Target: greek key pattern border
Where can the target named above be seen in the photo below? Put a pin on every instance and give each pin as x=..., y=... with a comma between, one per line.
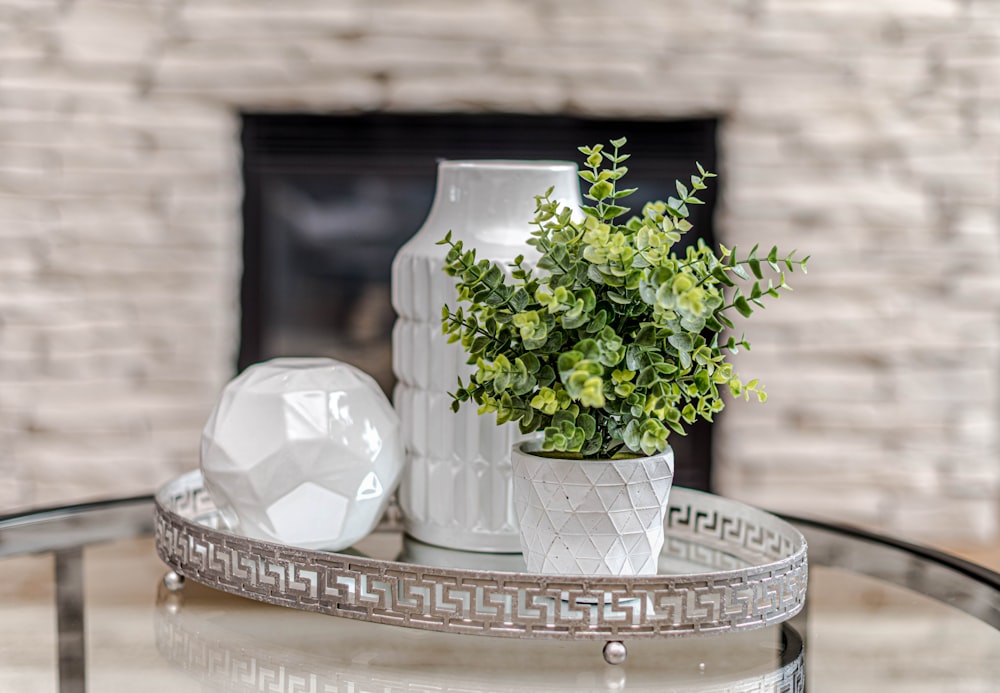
x=771, y=588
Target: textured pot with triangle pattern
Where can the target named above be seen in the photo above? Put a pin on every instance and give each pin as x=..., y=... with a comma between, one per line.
x=590, y=517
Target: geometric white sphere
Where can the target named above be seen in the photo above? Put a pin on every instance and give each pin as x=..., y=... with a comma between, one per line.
x=302, y=451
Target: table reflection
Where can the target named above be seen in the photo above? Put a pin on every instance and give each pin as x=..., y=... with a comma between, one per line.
x=231, y=644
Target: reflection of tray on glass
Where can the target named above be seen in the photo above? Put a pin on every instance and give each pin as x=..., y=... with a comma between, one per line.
x=242, y=649
x=725, y=567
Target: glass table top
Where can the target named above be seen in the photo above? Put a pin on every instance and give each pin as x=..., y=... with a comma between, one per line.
x=83, y=607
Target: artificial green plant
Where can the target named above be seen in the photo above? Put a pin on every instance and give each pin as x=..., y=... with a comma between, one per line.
x=613, y=340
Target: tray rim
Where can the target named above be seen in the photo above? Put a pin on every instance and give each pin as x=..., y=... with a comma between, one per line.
x=789, y=573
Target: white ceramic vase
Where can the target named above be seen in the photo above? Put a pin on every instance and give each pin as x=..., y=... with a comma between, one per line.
x=591, y=517
x=457, y=489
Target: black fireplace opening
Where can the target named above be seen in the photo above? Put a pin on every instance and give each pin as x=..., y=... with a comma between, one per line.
x=329, y=199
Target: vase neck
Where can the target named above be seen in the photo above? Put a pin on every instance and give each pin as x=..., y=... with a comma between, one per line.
x=493, y=201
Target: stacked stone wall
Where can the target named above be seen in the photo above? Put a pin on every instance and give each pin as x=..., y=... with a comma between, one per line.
x=867, y=134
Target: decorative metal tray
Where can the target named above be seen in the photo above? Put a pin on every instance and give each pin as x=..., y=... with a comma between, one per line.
x=725, y=567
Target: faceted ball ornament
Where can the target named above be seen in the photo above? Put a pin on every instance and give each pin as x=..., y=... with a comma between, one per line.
x=304, y=452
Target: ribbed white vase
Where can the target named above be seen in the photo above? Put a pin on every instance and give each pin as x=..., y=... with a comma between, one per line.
x=457, y=487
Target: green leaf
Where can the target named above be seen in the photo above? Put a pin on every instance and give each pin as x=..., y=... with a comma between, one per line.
x=647, y=376
x=740, y=272
x=685, y=358
x=576, y=383
x=597, y=322
x=567, y=363
x=633, y=357
x=676, y=207
x=479, y=345
x=676, y=427
x=531, y=362
x=571, y=322
x=518, y=300
x=693, y=324
x=720, y=275
x=600, y=190
x=680, y=341
x=665, y=368
x=630, y=436
x=740, y=303
x=594, y=274
x=645, y=337
x=588, y=349
x=689, y=413
x=702, y=381
x=772, y=259
x=545, y=376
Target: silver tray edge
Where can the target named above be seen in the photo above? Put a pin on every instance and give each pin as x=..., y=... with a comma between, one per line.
x=504, y=604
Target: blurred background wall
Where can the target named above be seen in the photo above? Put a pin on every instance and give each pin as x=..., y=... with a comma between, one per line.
x=864, y=133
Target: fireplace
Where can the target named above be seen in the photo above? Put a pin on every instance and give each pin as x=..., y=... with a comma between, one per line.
x=330, y=198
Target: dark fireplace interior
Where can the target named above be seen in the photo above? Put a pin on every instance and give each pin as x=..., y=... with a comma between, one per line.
x=329, y=199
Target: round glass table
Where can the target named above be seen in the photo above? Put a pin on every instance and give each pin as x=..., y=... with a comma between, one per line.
x=84, y=607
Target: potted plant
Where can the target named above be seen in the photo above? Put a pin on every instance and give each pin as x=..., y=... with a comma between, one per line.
x=611, y=342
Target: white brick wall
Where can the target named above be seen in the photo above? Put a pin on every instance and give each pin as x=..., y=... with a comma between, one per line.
x=867, y=134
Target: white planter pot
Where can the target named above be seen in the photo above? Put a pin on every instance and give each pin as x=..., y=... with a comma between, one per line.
x=456, y=491
x=591, y=517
